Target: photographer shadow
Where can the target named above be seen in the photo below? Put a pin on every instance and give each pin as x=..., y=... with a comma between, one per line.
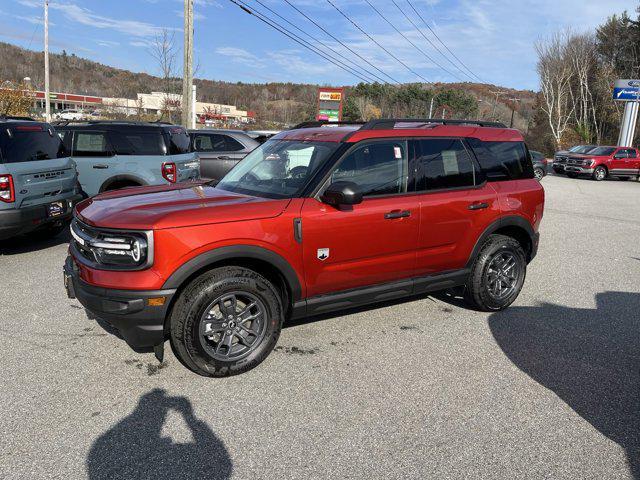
x=588, y=357
x=134, y=448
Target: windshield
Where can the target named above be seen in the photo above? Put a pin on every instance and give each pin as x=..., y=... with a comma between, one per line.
x=26, y=143
x=602, y=151
x=583, y=149
x=278, y=168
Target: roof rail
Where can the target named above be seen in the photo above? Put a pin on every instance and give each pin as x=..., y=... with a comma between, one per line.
x=320, y=123
x=13, y=117
x=389, y=124
x=64, y=123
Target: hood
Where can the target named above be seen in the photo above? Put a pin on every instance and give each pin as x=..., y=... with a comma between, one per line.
x=170, y=206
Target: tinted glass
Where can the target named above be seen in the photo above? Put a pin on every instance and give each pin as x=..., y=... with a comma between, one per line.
x=179, y=141
x=232, y=144
x=632, y=153
x=17, y=144
x=378, y=168
x=278, y=168
x=583, y=149
x=502, y=160
x=536, y=155
x=138, y=142
x=91, y=144
x=443, y=163
x=602, y=151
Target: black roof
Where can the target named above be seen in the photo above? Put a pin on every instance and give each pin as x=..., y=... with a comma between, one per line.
x=391, y=123
x=113, y=125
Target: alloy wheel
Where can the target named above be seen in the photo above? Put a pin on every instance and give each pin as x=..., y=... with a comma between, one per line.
x=502, y=275
x=232, y=326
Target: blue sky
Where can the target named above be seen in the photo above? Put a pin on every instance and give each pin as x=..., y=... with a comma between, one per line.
x=494, y=38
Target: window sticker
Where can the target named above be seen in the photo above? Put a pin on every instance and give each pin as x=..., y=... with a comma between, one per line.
x=397, y=152
x=450, y=162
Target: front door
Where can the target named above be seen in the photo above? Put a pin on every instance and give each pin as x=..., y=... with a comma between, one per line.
x=366, y=244
x=218, y=153
x=95, y=159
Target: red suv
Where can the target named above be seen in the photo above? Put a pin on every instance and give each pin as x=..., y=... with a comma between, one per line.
x=319, y=218
x=602, y=162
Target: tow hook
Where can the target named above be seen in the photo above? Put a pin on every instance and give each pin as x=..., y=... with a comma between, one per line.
x=158, y=350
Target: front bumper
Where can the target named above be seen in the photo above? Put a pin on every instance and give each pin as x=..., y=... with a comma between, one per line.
x=141, y=325
x=27, y=219
x=578, y=170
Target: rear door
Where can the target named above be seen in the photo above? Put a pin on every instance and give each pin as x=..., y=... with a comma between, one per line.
x=456, y=203
x=218, y=153
x=95, y=159
x=370, y=243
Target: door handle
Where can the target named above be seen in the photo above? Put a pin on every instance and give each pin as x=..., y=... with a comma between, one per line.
x=478, y=206
x=224, y=157
x=101, y=167
x=397, y=214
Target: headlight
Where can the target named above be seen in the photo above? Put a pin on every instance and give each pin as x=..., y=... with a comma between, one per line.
x=113, y=250
x=587, y=162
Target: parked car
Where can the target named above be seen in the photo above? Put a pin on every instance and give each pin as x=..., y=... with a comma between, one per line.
x=540, y=164
x=262, y=136
x=602, y=162
x=220, y=150
x=69, y=114
x=376, y=213
x=38, y=180
x=120, y=154
x=560, y=158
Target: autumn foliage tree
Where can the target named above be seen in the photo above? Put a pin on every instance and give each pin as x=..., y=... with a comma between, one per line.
x=15, y=99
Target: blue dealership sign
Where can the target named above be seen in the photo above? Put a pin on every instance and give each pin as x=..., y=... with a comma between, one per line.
x=626, y=90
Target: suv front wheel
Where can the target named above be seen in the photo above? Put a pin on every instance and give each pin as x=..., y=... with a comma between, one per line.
x=226, y=322
x=497, y=274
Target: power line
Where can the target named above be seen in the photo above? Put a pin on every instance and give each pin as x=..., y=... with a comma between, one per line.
x=340, y=42
x=365, y=71
x=378, y=44
x=428, y=57
x=443, y=44
x=263, y=18
x=429, y=40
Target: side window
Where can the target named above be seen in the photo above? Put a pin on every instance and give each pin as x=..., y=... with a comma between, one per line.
x=232, y=145
x=378, y=168
x=502, y=160
x=631, y=153
x=443, y=163
x=91, y=144
x=202, y=142
x=132, y=142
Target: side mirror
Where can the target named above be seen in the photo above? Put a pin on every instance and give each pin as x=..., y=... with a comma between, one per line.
x=342, y=193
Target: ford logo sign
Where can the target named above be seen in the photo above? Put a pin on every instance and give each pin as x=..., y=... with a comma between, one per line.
x=634, y=83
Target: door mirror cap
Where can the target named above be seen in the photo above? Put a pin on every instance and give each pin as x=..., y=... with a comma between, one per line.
x=342, y=193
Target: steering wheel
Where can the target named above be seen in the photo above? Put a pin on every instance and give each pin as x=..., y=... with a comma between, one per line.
x=298, y=172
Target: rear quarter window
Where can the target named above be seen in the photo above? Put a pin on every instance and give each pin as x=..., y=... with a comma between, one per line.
x=503, y=160
x=26, y=143
x=178, y=140
x=132, y=142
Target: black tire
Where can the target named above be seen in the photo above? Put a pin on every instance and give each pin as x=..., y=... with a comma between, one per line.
x=572, y=175
x=600, y=173
x=193, y=314
x=479, y=292
x=624, y=179
x=120, y=185
x=538, y=173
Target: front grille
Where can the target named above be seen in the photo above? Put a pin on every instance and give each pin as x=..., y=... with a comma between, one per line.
x=81, y=235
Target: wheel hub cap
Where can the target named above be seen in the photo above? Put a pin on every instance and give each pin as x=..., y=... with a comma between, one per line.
x=502, y=275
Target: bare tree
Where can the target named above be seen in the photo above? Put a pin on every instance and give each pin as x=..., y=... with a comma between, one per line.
x=555, y=70
x=164, y=51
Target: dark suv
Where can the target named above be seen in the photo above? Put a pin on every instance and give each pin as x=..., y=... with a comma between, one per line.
x=317, y=219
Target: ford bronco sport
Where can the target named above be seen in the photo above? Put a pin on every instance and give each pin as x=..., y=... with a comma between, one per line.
x=117, y=154
x=38, y=180
x=317, y=219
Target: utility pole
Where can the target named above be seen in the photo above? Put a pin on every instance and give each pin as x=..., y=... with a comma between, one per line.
x=431, y=107
x=47, y=106
x=513, y=109
x=495, y=102
x=187, y=74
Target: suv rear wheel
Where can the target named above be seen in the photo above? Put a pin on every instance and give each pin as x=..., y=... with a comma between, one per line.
x=497, y=274
x=226, y=322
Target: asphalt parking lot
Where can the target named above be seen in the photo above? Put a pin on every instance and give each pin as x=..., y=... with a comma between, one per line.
x=422, y=389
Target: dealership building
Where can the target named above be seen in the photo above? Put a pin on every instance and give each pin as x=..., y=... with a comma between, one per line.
x=153, y=103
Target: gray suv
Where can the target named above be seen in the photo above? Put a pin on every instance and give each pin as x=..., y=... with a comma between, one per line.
x=116, y=154
x=220, y=150
x=38, y=180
